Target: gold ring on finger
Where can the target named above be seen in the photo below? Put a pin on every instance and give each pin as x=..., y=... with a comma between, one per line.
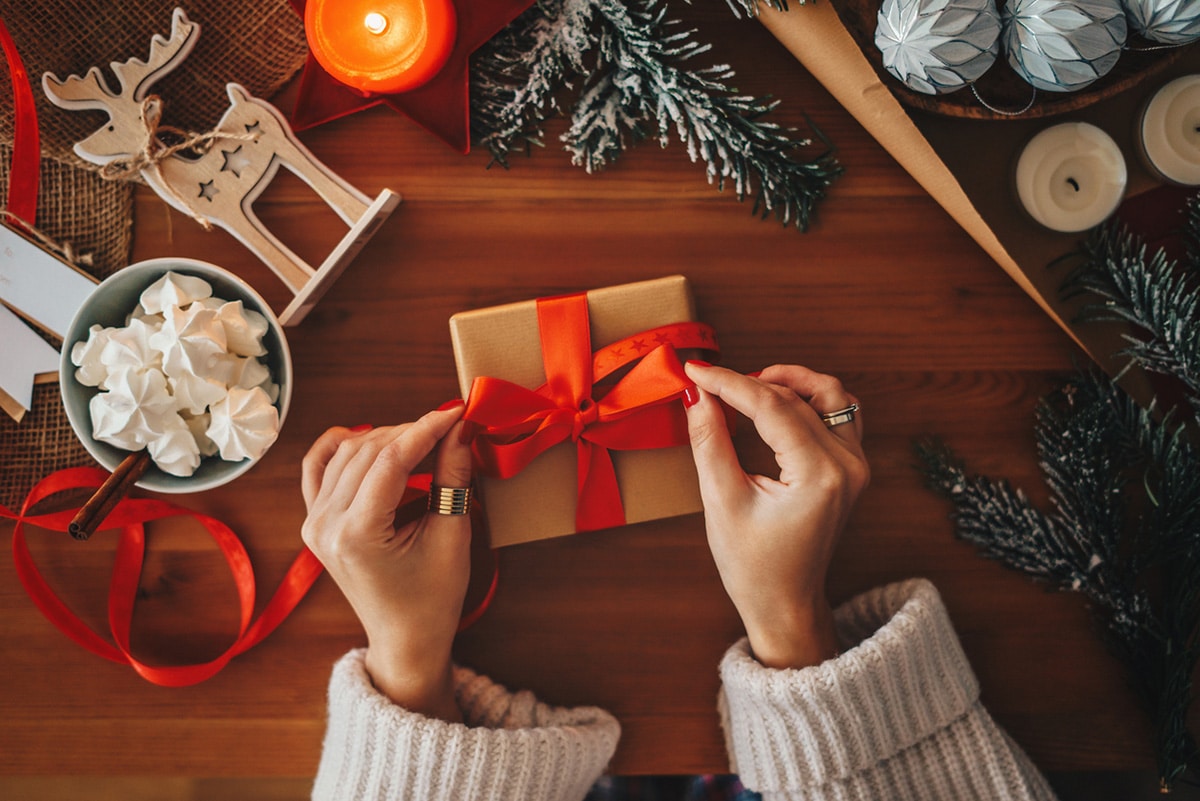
x=449, y=500
x=841, y=416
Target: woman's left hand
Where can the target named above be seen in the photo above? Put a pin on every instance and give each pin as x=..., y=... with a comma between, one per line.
x=406, y=584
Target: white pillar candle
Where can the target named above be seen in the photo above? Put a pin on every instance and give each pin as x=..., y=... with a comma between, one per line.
x=1170, y=131
x=1071, y=177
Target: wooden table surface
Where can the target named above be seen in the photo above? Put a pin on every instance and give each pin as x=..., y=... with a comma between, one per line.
x=885, y=292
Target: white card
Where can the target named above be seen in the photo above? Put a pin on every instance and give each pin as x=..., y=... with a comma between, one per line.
x=23, y=355
x=39, y=286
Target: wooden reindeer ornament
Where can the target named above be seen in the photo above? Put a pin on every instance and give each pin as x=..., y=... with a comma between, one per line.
x=215, y=177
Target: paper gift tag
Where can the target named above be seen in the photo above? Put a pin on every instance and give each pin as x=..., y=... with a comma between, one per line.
x=46, y=291
x=39, y=286
x=25, y=356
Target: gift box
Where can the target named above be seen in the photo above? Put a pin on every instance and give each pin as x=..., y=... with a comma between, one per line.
x=574, y=406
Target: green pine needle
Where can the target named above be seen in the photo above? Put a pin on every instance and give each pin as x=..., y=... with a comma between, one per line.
x=1124, y=483
x=1125, y=490
x=1157, y=296
x=751, y=7
x=630, y=66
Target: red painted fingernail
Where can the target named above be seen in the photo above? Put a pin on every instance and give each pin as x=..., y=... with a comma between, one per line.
x=690, y=397
x=361, y=428
x=755, y=374
x=453, y=404
x=699, y=362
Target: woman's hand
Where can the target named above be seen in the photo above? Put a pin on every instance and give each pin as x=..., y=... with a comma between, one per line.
x=772, y=539
x=406, y=584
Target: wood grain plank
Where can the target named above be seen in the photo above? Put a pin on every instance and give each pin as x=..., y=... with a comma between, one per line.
x=884, y=291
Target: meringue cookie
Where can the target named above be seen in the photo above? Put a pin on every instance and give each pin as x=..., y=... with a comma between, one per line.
x=182, y=378
x=194, y=394
x=246, y=372
x=174, y=289
x=244, y=329
x=135, y=410
x=244, y=424
x=198, y=425
x=242, y=371
x=272, y=390
x=85, y=354
x=155, y=321
x=129, y=348
x=191, y=341
x=175, y=450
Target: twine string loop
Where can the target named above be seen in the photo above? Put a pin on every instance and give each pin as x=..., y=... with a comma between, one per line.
x=154, y=150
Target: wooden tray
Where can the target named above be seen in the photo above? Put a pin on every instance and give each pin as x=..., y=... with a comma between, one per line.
x=1001, y=87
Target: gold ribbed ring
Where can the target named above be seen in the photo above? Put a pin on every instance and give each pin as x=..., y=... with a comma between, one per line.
x=450, y=500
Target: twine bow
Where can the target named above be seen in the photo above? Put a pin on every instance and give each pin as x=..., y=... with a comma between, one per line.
x=515, y=424
x=153, y=150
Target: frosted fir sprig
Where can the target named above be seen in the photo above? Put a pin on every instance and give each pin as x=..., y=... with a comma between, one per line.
x=1072, y=548
x=1156, y=295
x=751, y=7
x=628, y=61
x=519, y=74
x=1125, y=489
x=640, y=80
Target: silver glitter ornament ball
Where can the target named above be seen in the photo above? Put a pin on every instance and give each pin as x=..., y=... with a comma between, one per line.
x=1063, y=45
x=937, y=46
x=1175, y=22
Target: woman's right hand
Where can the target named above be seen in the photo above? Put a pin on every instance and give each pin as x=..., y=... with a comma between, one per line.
x=772, y=539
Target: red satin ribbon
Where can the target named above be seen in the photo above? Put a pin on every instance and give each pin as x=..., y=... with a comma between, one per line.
x=26, y=155
x=514, y=424
x=130, y=516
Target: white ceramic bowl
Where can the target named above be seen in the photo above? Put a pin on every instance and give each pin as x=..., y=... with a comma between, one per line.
x=108, y=305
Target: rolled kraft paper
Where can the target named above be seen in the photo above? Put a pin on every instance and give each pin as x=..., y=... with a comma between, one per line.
x=1071, y=177
x=1169, y=132
x=816, y=36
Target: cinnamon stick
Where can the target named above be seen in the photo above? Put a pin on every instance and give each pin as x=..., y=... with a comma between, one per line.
x=114, y=488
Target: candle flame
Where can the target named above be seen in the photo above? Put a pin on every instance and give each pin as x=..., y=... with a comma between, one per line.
x=375, y=22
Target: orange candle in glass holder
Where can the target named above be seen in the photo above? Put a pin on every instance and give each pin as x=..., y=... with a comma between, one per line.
x=381, y=46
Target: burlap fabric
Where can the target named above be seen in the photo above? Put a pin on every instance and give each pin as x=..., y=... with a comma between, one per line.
x=258, y=44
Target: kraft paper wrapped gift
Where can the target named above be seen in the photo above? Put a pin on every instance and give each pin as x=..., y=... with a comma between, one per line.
x=503, y=342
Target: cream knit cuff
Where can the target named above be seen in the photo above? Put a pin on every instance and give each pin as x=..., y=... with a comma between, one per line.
x=512, y=746
x=905, y=678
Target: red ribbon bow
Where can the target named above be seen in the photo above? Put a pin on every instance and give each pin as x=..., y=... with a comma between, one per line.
x=516, y=424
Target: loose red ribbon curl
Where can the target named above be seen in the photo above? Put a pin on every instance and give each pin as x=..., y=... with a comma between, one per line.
x=130, y=516
x=513, y=424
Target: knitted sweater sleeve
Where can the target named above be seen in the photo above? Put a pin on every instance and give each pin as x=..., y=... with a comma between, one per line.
x=897, y=716
x=511, y=745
